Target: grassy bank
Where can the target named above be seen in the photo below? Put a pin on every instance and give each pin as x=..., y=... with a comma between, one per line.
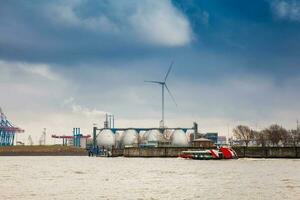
x=45, y=150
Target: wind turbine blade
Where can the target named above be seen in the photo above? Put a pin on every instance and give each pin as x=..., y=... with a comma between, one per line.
x=153, y=82
x=169, y=71
x=171, y=95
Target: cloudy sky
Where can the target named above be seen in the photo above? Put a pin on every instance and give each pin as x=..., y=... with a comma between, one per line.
x=65, y=64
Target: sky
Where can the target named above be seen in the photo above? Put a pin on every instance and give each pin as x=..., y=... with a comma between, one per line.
x=64, y=64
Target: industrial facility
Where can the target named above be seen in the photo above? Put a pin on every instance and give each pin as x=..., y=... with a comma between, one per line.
x=7, y=131
x=111, y=138
x=148, y=137
x=76, y=140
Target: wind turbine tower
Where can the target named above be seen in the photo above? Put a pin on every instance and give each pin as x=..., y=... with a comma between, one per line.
x=163, y=86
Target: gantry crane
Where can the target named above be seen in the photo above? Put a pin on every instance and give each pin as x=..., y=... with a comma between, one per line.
x=7, y=131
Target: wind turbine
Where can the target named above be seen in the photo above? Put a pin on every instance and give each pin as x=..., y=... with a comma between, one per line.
x=163, y=86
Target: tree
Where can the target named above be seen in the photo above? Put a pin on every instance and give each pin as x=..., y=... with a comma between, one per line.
x=275, y=134
x=284, y=136
x=244, y=134
x=295, y=136
x=260, y=138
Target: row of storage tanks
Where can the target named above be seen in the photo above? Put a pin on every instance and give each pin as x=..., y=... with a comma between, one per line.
x=129, y=137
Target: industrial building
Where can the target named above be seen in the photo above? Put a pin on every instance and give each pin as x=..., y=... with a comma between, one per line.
x=212, y=136
x=76, y=140
x=114, y=139
x=203, y=143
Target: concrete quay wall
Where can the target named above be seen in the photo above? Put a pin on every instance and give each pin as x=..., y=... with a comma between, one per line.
x=268, y=152
x=44, y=150
x=156, y=152
x=243, y=152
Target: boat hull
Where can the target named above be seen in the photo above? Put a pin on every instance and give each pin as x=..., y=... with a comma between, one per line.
x=210, y=154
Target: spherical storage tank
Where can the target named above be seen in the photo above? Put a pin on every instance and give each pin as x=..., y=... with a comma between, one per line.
x=142, y=134
x=154, y=135
x=143, y=137
x=106, y=138
x=179, y=138
x=130, y=137
x=119, y=136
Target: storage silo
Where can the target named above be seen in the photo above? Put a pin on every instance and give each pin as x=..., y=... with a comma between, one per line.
x=179, y=138
x=118, y=138
x=154, y=136
x=142, y=136
x=130, y=137
x=106, y=138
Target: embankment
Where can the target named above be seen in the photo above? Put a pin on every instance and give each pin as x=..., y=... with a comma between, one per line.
x=156, y=152
x=243, y=152
x=48, y=150
x=56, y=150
x=268, y=152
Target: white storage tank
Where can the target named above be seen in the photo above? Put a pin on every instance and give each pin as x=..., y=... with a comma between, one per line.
x=130, y=137
x=118, y=138
x=168, y=134
x=106, y=138
x=154, y=135
x=143, y=137
x=179, y=138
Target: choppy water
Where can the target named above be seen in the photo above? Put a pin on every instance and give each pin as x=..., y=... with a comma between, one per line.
x=155, y=178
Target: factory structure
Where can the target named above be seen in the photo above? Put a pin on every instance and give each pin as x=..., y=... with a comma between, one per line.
x=110, y=137
x=76, y=140
x=7, y=131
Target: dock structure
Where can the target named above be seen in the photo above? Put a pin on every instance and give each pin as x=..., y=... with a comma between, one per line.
x=7, y=131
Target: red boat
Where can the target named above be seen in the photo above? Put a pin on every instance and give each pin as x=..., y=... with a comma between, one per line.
x=210, y=154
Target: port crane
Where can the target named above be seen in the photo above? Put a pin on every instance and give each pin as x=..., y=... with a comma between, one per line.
x=7, y=131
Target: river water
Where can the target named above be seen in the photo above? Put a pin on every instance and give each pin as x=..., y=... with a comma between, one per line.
x=153, y=178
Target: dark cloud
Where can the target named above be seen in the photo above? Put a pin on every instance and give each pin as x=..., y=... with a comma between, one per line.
x=76, y=32
x=80, y=30
x=231, y=64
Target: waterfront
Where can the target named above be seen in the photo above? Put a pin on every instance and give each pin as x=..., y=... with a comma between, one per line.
x=152, y=178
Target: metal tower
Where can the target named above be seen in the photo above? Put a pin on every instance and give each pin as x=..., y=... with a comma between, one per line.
x=7, y=131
